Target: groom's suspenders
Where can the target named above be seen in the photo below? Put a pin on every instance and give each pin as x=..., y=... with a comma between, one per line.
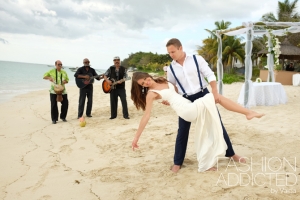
x=184, y=93
x=197, y=66
x=195, y=59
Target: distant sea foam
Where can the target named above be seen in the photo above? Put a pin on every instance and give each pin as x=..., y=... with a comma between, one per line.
x=20, y=78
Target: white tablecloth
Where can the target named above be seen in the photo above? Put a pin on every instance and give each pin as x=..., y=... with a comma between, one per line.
x=296, y=79
x=264, y=94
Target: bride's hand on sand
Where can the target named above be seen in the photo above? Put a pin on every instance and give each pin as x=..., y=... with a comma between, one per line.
x=165, y=102
x=134, y=144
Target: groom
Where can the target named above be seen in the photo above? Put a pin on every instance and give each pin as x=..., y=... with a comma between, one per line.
x=191, y=84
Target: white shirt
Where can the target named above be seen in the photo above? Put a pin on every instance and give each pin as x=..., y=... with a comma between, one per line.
x=187, y=74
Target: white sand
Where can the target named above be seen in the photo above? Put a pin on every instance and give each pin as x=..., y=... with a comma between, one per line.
x=64, y=161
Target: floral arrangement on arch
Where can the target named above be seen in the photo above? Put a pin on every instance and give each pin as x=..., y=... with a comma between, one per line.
x=275, y=50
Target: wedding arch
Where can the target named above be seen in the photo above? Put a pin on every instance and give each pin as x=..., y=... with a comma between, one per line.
x=248, y=29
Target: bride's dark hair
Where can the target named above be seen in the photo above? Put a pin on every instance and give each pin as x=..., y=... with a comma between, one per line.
x=138, y=93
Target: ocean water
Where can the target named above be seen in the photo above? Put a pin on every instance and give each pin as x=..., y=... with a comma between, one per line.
x=20, y=78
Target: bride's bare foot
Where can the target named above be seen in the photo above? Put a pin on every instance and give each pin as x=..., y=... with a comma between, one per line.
x=212, y=169
x=253, y=114
x=238, y=158
x=175, y=168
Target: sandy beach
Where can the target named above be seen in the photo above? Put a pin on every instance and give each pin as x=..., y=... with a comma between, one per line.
x=42, y=161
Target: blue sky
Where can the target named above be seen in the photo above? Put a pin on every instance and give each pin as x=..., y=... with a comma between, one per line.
x=40, y=31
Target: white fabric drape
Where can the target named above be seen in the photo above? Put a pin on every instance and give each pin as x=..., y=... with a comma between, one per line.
x=248, y=64
x=296, y=80
x=219, y=64
x=270, y=60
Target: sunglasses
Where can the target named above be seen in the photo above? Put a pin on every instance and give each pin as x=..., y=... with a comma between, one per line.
x=59, y=64
x=86, y=62
x=117, y=60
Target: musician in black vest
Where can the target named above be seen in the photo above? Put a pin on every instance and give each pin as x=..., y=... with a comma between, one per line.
x=85, y=72
x=117, y=73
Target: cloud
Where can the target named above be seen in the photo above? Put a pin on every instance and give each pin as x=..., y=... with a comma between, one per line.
x=78, y=18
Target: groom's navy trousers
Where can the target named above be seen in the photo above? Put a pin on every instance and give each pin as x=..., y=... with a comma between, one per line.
x=183, y=134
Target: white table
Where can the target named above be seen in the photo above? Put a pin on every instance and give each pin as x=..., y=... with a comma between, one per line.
x=296, y=79
x=264, y=94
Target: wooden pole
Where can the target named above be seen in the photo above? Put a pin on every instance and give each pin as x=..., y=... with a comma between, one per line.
x=232, y=29
x=255, y=24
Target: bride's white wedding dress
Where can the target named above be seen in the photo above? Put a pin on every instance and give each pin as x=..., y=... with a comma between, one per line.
x=209, y=140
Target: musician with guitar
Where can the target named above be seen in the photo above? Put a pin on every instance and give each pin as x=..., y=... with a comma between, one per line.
x=84, y=79
x=116, y=76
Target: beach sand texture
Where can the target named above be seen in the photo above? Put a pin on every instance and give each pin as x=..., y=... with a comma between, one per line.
x=65, y=161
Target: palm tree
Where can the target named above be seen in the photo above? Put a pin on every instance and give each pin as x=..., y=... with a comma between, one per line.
x=231, y=47
x=222, y=25
x=259, y=43
x=233, y=50
x=286, y=12
x=209, y=50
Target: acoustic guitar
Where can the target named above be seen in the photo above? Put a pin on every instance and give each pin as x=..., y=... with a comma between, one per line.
x=107, y=88
x=81, y=82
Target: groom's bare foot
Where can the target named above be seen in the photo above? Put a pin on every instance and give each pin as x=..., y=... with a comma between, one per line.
x=175, y=168
x=238, y=158
x=253, y=114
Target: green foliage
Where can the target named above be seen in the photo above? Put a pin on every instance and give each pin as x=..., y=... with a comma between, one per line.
x=147, y=61
x=255, y=72
x=231, y=78
x=259, y=43
x=263, y=62
x=159, y=72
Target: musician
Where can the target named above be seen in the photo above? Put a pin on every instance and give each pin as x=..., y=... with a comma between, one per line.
x=117, y=73
x=87, y=92
x=58, y=76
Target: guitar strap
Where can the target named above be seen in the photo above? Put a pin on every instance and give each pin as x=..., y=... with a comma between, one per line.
x=60, y=77
x=117, y=75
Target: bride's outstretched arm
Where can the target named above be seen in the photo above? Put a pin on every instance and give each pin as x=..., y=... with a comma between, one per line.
x=146, y=116
x=235, y=107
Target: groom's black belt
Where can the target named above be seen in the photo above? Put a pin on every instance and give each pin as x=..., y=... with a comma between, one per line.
x=192, y=95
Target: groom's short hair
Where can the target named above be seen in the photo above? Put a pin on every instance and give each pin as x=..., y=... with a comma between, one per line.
x=175, y=42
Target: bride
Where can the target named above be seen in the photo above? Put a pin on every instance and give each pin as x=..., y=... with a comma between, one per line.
x=209, y=140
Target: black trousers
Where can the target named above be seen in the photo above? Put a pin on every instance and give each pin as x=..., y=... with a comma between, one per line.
x=114, y=94
x=85, y=93
x=183, y=134
x=54, y=108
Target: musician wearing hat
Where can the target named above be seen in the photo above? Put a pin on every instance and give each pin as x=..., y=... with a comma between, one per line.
x=116, y=75
x=58, y=78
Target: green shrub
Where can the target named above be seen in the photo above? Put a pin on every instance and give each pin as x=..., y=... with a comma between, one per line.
x=231, y=78
x=255, y=72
